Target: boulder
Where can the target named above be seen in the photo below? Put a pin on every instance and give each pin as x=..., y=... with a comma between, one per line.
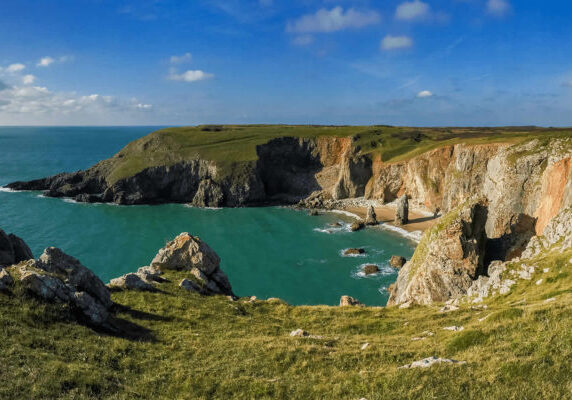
x=370, y=269
x=397, y=261
x=189, y=253
x=430, y=361
x=448, y=259
x=13, y=249
x=313, y=212
x=185, y=252
x=349, y=301
x=371, y=218
x=357, y=225
x=74, y=274
x=354, y=252
x=402, y=211
x=57, y=277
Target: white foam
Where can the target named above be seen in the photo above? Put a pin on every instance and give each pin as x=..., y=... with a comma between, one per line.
x=415, y=235
x=69, y=200
x=7, y=190
x=202, y=208
x=343, y=212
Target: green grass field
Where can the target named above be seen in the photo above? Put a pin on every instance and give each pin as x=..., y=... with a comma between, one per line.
x=191, y=347
x=237, y=143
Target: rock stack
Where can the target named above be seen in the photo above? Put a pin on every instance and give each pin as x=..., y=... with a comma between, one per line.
x=371, y=218
x=402, y=212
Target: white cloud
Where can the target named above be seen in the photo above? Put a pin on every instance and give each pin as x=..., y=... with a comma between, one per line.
x=180, y=59
x=412, y=10
x=38, y=101
x=332, y=20
x=28, y=79
x=390, y=42
x=15, y=67
x=498, y=8
x=190, y=76
x=424, y=94
x=45, y=62
x=303, y=40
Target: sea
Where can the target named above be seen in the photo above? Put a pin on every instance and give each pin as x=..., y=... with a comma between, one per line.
x=265, y=251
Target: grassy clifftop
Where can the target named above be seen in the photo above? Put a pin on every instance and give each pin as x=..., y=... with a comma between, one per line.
x=187, y=346
x=237, y=143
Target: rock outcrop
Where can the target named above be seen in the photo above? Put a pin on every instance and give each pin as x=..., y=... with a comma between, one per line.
x=189, y=253
x=402, y=211
x=349, y=301
x=58, y=277
x=13, y=249
x=448, y=259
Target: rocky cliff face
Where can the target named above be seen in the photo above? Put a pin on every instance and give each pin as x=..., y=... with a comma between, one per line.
x=532, y=178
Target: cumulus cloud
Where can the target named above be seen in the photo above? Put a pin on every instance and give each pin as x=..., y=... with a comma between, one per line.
x=498, y=8
x=28, y=79
x=37, y=101
x=45, y=62
x=333, y=20
x=3, y=85
x=190, y=76
x=15, y=67
x=424, y=94
x=412, y=10
x=390, y=42
x=180, y=59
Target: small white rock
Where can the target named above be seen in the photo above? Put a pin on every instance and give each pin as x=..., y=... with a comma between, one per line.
x=364, y=346
x=454, y=328
x=427, y=362
x=550, y=300
x=538, y=282
x=545, y=270
x=299, y=333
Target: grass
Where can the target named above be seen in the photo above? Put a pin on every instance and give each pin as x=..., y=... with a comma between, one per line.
x=209, y=347
x=229, y=145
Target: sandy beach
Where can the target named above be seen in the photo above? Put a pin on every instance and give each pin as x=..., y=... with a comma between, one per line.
x=418, y=221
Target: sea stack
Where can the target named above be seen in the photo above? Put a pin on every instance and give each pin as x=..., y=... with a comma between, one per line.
x=402, y=212
x=371, y=218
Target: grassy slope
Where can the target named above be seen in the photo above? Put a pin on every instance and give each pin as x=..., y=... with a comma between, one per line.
x=237, y=143
x=212, y=348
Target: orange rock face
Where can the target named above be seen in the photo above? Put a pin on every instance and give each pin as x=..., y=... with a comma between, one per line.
x=555, y=179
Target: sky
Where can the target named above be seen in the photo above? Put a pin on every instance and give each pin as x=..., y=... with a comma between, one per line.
x=167, y=62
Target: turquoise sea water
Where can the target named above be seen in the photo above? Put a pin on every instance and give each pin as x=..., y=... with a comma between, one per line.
x=266, y=252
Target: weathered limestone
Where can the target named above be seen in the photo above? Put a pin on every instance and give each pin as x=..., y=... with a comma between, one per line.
x=357, y=226
x=132, y=281
x=402, y=211
x=430, y=361
x=5, y=279
x=371, y=218
x=58, y=277
x=189, y=253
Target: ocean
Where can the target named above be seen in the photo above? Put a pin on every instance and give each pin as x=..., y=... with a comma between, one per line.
x=266, y=251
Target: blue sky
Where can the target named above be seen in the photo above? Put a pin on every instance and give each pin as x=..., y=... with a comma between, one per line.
x=166, y=62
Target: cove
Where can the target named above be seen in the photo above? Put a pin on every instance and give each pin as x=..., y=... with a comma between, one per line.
x=266, y=252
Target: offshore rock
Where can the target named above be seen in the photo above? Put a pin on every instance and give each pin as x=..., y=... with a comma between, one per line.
x=397, y=261
x=402, y=211
x=447, y=260
x=356, y=226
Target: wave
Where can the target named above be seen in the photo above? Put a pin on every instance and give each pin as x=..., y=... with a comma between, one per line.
x=8, y=190
x=346, y=213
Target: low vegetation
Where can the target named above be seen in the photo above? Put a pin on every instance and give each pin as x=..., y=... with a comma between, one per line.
x=181, y=345
x=228, y=144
